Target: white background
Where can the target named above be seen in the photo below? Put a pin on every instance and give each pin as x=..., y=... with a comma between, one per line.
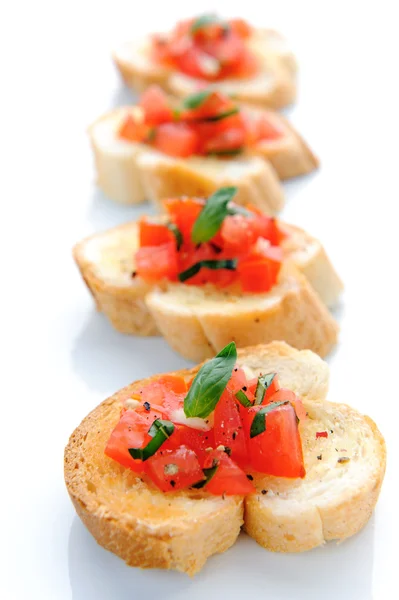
x=60, y=358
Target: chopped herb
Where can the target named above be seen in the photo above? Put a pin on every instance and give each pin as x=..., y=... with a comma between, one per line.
x=210, y=382
x=264, y=382
x=177, y=233
x=243, y=398
x=195, y=100
x=230, y=152
x=229, y=263
x=222, y=115
x=147, y=406
x=343, y=459
x=259, y=423
x=208, y=474
x=205, y=21
x=160, y=431
x=212, y=215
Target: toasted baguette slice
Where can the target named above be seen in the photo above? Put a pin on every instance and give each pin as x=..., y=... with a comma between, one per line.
x=291, y=310
x=180, y=530
x=132, y=172
x=273, y=87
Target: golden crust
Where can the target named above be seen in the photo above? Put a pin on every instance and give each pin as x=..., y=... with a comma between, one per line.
x=149, y=529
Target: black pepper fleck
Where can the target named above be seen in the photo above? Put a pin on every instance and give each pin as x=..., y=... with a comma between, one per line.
x=234, y=435
x=320, y=457
x=172, y=483
x=134, y=273
x=343, y=460
x=147, y=406
x=227, y=450
x=250, y=477
x=244, y=388
x=264, y=492
x=257, y=320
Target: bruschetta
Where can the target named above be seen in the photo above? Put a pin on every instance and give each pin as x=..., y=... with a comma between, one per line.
x=165, y=472
x=161, y=148
x=254, y=65
x=212, y=271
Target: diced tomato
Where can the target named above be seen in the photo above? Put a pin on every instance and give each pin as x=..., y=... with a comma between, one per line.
x=130, y=432
x=175, y=383
x=267, y=129
x=176, y=139
x=278, y=450
x=153, y=234
x=228, y=428
x=174, y=469
x=237, y=381
x=157, y=262
x=215, y=104
x=227, y=140
x=133, y=130
x=271, y=391
x=238, y=233
x=228, y=479
x=197, y=440
x=240, y=27
x=283, y=394
x=184, y=212
x=246, y=66
x=259, y=270
x=155, y=104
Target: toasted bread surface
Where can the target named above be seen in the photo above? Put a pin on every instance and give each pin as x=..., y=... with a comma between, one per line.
x=180, y=530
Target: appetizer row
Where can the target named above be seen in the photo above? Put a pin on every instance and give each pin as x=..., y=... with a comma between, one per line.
x=167, y=471
x=208, y=272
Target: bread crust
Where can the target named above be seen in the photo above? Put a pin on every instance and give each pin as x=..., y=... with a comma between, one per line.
x=134, y=308
x=133, y=61
x=149, y=529
x=199, y=329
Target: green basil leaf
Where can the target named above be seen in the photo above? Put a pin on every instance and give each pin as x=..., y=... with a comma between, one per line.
x=208, y=474
x=195, y=100
x=239, y=210
x=259, y=423
x=230, y=152
x=177, y=233
x=212, y=215
x=204, y=21
x=228, y=263
x=243, y=398
x=210, y=383
x=160, y=431
x=222, y=115
x=264, y=381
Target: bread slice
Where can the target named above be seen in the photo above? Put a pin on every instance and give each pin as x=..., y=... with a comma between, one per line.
x=130, y=172
x=195, y=321
x=273, y=87
x=180, y=530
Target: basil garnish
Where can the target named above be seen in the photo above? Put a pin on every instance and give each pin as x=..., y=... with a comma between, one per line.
x=264, y=381
x=259, y=423
x=208, y=474
x=210, y=383
x=230, y=152
x=177, y=233
x=160, y=431
x=195, y=100
x=243, y=398
x=222, y=115
x=229, y=264
x=212, y=215
x=204, y=21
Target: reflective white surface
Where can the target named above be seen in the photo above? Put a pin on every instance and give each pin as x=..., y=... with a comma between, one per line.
x=60, y=358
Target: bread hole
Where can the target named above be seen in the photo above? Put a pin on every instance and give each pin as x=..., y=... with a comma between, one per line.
x=91, y=487
x=82, y=459
x=85, y=436
x=76, y=466
x=289, y=537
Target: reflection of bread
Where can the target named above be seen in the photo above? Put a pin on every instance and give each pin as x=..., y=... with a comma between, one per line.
x=196, y=321
x=273, y=87
x=180, y=530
